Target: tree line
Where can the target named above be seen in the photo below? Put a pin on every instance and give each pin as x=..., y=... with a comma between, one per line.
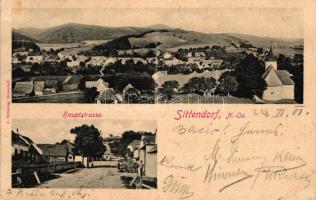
x=89, y=142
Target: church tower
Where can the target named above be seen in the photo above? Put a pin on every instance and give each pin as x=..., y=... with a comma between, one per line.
x=270, y=59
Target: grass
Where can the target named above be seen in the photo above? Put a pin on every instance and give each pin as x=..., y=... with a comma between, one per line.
x=57, y=46
x=71, y=48
x=187, y=45
x=77, y=50
x=287, y=51
x=163, y=38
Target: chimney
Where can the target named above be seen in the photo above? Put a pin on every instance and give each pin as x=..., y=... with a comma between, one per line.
x=17, y=130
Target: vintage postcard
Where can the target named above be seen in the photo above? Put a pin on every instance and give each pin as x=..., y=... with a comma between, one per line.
x=156, y=100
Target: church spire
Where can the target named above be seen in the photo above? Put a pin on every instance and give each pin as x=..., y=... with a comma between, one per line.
x=270, y=59
x=270, y=55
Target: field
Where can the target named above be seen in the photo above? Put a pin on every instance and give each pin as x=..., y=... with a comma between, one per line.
x=186, y=46
x=72, y=48
x=95, y=42
x=163, y=38
x=287, y=51
x=77, y=50
x=84, y=46
x=47, y=47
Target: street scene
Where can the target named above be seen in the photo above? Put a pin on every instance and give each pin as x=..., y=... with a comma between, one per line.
x=161, y=61
x=106, y=175
x=86, y=157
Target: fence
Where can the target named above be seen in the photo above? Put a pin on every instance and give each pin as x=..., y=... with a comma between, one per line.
x=26, y=174
x=49, y=168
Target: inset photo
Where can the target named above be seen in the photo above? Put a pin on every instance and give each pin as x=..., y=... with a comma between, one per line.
x=56, y=153
x=192, y=56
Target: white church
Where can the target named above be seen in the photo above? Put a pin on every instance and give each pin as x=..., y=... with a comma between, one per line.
x=280, y=86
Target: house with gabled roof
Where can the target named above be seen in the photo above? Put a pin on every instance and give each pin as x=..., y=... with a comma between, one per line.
x=133, y=147
x=99, y=84
x=24, y=150
x=106, y=94
x=112, y=141
x=70, y=150
x=280, y=86
x=56, y=153
x=129, y=91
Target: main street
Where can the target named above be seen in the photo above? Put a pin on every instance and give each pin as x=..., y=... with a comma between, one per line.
x=104, y=174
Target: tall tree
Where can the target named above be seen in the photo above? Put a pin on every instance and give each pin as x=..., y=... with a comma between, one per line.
x=36, y=68
x=228, y=84
x=249, y=77
x=294, y=66
x=203, y=84
x=169, y=87
x=88, y=141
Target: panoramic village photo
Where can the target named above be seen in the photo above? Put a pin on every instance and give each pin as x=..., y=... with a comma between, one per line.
x=84, y=154
x=150, y=56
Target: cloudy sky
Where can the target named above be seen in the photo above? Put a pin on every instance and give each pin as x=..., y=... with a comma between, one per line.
x=52, y=131
x=273, y=22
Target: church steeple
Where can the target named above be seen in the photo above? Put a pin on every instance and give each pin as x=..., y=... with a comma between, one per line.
x=270, y=59
x=270, y=56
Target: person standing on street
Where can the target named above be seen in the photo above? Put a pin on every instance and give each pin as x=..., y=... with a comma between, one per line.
x=140, y=172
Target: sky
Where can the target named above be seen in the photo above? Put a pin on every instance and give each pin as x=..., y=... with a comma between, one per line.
x=271, y=22
x=51, y=131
